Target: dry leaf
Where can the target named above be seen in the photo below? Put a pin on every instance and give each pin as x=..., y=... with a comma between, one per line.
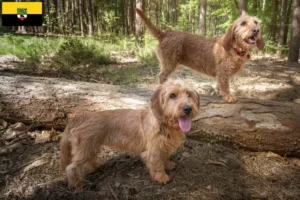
x=18, y=127
x=186, y=154
x=45, y=136
x=275, y=157
x=3, y=123
x=223, y=160
x=14, y=131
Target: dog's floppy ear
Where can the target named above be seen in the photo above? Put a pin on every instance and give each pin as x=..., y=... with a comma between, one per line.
x=196, y=96
x=228, y=38
x=156, y=104
x=260, y=43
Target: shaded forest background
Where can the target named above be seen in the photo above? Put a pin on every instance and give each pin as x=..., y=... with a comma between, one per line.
x=116, y=20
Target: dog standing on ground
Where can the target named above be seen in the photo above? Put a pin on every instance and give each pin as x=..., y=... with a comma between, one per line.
x=219, y=57
x=154, y=134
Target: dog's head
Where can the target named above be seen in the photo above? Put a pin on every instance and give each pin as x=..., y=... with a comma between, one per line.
x=245, y=33
x=175, y=104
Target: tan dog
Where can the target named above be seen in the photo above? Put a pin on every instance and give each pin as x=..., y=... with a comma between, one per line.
x=219, y=57
x=153, y=134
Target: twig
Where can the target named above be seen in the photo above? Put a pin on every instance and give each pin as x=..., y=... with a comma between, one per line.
x=26, y=164
x=216, y=163
x=194, y=131
x=113, y=192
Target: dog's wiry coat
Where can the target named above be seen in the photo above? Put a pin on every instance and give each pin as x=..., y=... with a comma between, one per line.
x=219, y=57
x=154, y=133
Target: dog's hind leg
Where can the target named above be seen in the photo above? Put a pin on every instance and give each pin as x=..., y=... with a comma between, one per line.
x=166, y=69
x=83, y=156
x=167, y=66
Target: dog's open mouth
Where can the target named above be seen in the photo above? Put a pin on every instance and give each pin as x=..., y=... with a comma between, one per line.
x=251, y=40
x=185, y=123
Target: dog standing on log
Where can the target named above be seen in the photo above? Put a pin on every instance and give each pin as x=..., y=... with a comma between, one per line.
x=154, y=134
x=219, y=57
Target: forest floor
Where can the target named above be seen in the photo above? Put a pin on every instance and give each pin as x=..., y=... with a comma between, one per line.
x=30, y=169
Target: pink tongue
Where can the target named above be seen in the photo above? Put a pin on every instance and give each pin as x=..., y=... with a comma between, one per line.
x=252, y=40
x=185, y=124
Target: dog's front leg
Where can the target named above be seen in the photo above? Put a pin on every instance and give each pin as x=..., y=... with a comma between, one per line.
x=223, y=86
x=169, y=165
x=155, y=163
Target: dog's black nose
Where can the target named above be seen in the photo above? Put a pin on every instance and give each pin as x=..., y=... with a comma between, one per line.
x=255, y=30
x=187, y=109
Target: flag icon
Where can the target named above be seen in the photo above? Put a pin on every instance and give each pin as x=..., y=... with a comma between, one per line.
x=22, y=13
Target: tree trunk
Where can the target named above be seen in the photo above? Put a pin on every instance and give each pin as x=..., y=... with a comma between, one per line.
x=282, y=28
x=55, y=22
x=80, y=16
x=49, y=17
x=73, y=15
x=162, y=6
x=116, y=23
x=123, y=18
x=236, y=4
x=273, y=26
x=139, y=29
x=168, y=12
x=295, y=34
x=174, y=12
x=202, y=27
x=255, y=7
x=156, y=12
x=132, y=16
x=63, y=16
x=287, y=21
x=252, y=124
x=243, y=6
x=90, y=18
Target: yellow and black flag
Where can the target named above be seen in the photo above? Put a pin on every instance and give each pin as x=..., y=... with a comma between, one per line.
x=22, y=14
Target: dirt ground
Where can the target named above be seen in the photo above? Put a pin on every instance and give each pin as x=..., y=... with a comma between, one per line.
x=30, y=170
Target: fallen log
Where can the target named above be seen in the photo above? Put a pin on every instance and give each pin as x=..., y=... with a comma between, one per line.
x=252, y=124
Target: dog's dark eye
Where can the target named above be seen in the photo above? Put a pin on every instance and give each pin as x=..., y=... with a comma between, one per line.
x=243, y=23
x=255, y=22
x=188, y=94
x=172, y=96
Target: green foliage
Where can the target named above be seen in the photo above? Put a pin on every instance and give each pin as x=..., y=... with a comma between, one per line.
x=28, y=48
x=123, y=76
x=78, y=52
x=147, y=57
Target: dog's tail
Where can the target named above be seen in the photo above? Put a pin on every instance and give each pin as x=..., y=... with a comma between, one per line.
x=65, y=150
x=152, y=28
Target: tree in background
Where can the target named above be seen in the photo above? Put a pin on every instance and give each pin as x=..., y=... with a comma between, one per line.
x=202, y=28
x=243, y=6
x=282, y=28
x=139, y=27
x=295, y=34
x=90, y=18
x=107, y=18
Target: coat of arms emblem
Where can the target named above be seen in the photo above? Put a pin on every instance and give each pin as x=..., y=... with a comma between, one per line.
x=22, y=13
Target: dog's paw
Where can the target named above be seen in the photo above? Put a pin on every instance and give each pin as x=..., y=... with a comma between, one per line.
x=161, y=177
x=230, y=98
x=170, y=165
